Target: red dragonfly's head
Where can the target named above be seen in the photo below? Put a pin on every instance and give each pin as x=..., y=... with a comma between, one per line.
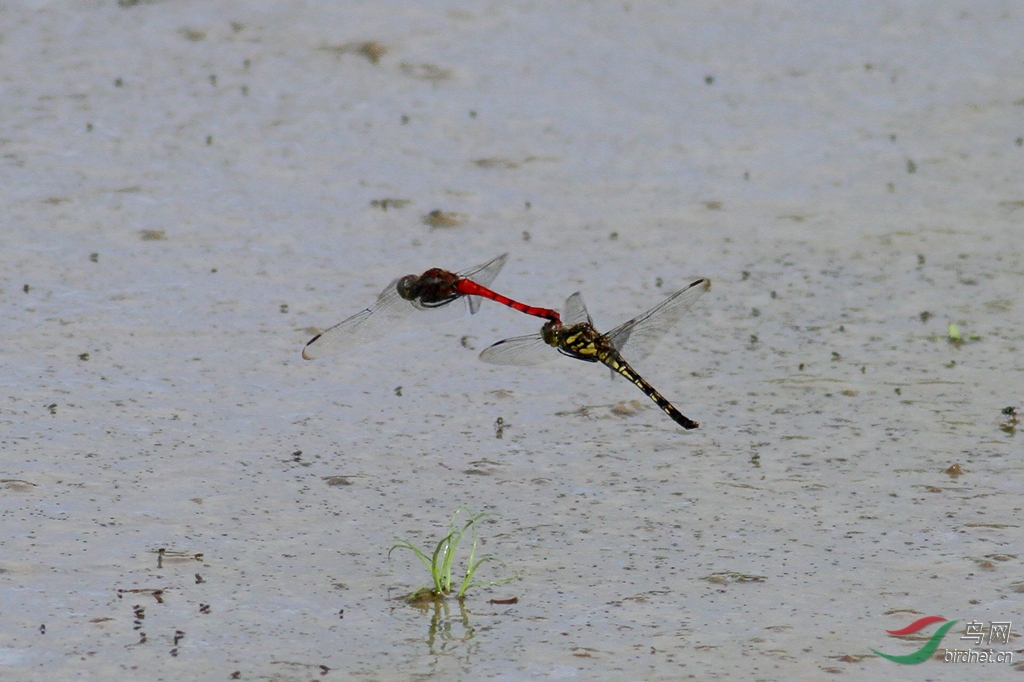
x=432, y=289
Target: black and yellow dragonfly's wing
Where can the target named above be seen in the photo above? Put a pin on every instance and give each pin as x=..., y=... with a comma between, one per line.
x=636, y=338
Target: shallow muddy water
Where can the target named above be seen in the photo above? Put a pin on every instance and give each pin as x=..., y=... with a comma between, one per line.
x=194, y=191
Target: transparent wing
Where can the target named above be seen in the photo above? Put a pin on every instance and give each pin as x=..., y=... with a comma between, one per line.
x=365, y=326
x=575, y=311
x=638, y=337
x=522, y=351
x=483, y=275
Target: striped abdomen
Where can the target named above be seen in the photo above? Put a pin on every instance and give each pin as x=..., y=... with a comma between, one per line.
x=612, y=359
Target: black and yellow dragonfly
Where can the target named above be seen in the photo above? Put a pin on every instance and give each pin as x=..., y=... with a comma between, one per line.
x=575, y=336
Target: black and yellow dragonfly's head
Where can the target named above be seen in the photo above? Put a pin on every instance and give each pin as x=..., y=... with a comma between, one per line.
x=580, y=341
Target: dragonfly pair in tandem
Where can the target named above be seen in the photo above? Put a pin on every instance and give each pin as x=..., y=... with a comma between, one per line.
x=572, y=333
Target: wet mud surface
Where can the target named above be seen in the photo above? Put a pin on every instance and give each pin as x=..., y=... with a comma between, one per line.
x=192, y=192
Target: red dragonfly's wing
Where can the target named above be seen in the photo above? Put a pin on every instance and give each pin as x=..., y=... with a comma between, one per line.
x=365, y=326
x=483, y=275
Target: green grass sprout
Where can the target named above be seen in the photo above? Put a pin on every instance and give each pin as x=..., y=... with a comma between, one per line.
x=440, y=562
x=955, y=337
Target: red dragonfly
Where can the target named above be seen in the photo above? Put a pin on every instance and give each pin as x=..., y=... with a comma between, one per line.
x=577, y=338
x=435, y=288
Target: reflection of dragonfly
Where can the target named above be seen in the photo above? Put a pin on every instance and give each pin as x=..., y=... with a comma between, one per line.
x=163, y=554
x=435, y=288
x=577, y=338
